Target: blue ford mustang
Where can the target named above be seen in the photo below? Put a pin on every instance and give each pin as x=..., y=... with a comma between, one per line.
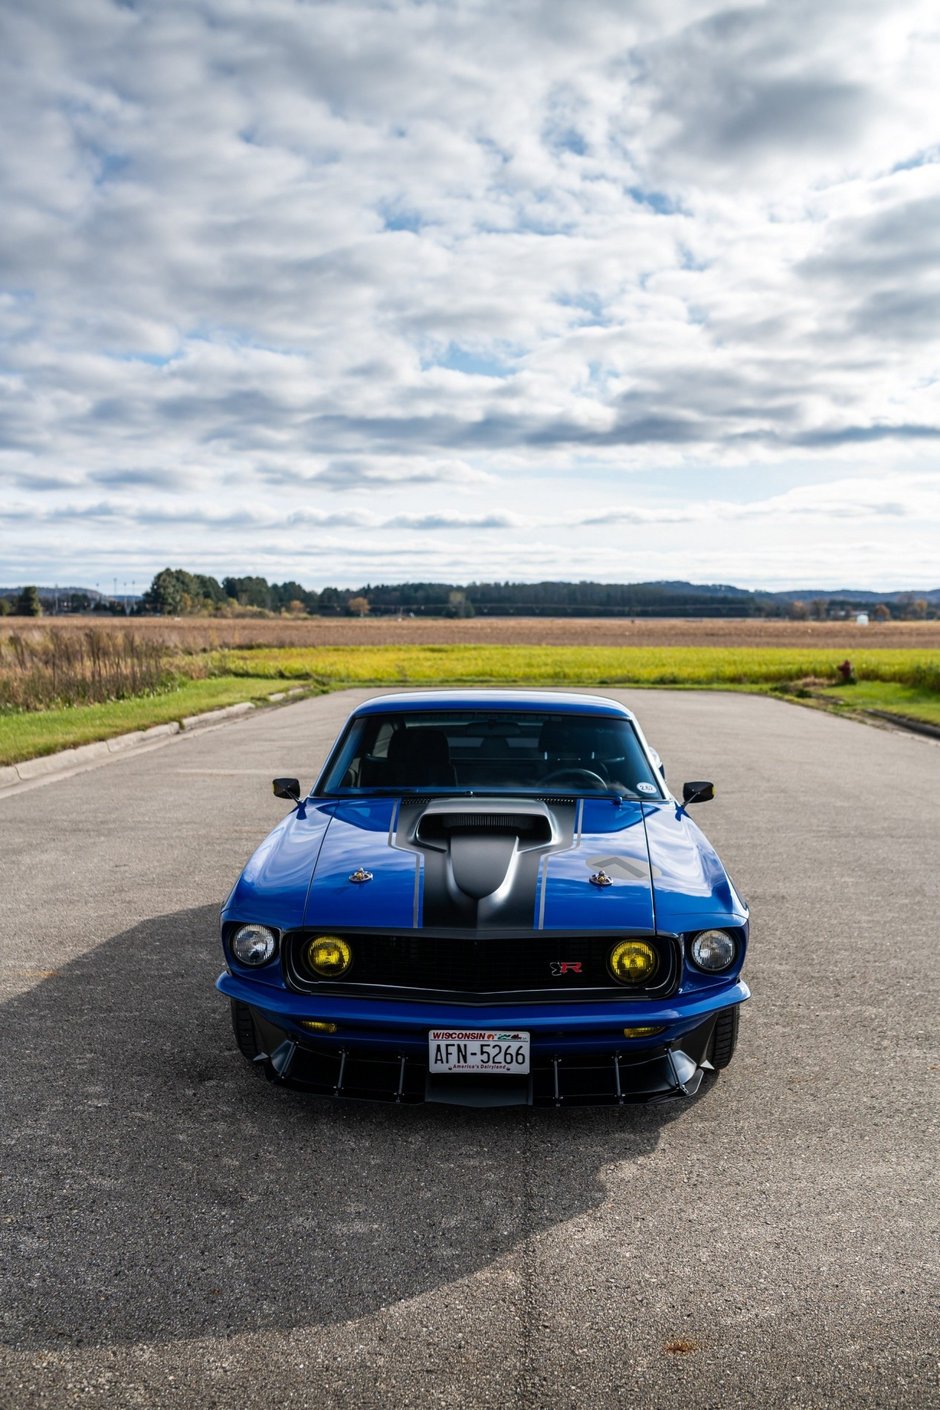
x=489, y=898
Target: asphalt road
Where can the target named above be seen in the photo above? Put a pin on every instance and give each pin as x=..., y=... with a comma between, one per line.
x=176, y=1233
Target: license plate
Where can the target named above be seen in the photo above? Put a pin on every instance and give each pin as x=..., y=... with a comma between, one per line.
x=478, y=1050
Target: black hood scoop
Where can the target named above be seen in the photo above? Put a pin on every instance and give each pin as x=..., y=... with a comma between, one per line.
x=482, y=856
x=526, y=819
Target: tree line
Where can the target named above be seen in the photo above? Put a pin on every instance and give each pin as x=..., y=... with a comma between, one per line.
x=175, y=592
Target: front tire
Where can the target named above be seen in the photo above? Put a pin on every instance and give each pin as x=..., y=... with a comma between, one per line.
x=243, y=1026
x=725, y=1038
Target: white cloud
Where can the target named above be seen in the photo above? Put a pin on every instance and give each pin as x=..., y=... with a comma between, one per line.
x=489, y=269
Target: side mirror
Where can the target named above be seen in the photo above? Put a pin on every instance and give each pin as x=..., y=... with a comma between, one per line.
x=697, y=792
x=287, y=788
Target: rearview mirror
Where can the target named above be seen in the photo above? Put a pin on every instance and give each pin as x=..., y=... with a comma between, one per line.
x=287, y=788
x=697, y=792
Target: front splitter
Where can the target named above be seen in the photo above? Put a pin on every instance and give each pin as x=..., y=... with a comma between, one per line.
x=581, y=1079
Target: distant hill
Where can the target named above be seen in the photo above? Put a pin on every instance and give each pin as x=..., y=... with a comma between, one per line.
x=50, y=593
x=854, y=595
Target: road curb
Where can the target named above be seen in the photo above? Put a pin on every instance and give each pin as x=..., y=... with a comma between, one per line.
x=66, y=759
x=906, y=722
x=141, y=736
x=212, y=717
x=46, y=765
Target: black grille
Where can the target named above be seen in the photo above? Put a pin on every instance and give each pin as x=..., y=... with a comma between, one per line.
x=559, y=966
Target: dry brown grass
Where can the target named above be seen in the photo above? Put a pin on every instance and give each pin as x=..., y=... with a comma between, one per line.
x=42, y=668
x=194, y=634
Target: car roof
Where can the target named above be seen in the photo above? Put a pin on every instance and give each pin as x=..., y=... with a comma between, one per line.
x=551, y=701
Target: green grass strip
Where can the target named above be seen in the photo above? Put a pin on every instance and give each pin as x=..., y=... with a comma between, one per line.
x=884, y=695
x=35, y=732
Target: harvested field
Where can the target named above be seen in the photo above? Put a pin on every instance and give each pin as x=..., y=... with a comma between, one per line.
x=195, y=634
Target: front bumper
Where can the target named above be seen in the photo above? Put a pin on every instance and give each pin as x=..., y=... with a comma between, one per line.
x=579, y=1054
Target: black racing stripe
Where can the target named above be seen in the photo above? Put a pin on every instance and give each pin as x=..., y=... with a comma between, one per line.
x=445, y=905
x=483, y=866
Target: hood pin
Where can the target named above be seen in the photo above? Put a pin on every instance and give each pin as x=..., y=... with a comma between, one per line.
x=600, y=878
x=360, y=875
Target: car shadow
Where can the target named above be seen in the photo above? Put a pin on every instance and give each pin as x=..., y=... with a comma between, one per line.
x=160, y=1190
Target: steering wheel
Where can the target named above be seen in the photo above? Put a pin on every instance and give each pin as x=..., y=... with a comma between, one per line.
x=575, y=774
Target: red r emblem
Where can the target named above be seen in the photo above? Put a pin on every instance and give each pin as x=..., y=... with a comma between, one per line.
x=566, y=967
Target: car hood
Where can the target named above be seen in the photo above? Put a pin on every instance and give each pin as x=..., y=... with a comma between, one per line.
x=485, y=863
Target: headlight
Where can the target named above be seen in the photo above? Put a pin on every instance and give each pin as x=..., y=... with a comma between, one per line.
x=633, y=961
x=713, y=950
x=329, y=956
x=254, y=944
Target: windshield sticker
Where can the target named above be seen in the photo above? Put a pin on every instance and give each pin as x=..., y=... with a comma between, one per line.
x=646, y=788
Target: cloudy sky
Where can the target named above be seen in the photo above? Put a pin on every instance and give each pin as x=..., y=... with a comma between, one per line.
x=372, y=290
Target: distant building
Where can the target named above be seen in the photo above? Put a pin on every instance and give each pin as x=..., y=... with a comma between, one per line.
x=861, y=619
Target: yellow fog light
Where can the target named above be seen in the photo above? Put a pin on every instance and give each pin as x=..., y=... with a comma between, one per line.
x=318, y=1025
x=633, y=961
x=329, y=956
x=644, y=1031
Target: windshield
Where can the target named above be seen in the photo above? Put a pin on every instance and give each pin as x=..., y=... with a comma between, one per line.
x=482, y=752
